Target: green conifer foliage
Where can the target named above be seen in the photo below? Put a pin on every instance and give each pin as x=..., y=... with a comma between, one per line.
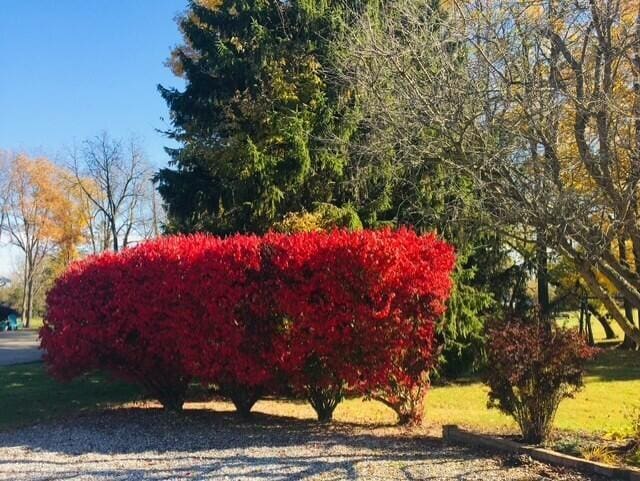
x=257, y=121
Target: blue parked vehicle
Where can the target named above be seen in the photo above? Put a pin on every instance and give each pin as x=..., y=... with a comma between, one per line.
x=9, y=319
x=15, y=322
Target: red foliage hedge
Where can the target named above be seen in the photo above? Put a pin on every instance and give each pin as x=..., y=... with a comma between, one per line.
x=326, y=313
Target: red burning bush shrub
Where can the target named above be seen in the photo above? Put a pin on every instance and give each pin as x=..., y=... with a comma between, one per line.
x=360, y=311
x=334, y=313
x=230, y=343
x=164, y=312
x=120, y=313
x=424, y=287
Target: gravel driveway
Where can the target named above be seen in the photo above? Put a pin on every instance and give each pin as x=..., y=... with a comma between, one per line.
x=135, y=444
x=17, y=347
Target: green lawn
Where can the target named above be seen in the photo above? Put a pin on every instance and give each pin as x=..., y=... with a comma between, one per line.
x=611, y=393
x=36, y=323
x=604, y=406
x=571, y=319
x=28, y=394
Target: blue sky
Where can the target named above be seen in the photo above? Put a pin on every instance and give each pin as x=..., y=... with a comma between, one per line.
x=71, y=68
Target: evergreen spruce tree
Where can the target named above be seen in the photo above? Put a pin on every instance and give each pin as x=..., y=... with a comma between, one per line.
x=258, y=119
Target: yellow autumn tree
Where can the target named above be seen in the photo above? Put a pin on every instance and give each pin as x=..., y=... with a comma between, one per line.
x=43, y=217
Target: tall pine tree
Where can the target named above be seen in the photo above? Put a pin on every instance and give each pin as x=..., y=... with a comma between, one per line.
x=258, y=120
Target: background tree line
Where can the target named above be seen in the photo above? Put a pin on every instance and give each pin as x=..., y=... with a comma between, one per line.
x=537, y=104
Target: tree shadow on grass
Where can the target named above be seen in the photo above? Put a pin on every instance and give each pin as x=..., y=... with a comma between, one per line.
x=615, y=365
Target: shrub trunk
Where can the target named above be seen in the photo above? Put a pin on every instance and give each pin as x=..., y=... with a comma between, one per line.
x=535, y=416
x=324, y=401
x=408, y=404
x=171, y=394
x=243, y=397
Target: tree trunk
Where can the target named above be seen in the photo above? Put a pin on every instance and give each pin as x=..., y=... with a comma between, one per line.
x=629, y=329
x=27, y=295
x=27, y=321
x=114, y=235
x=590, y=339
x=25, y=302
x=542, y=268
x=628, y=343
x=584, y=268
x=608, y=330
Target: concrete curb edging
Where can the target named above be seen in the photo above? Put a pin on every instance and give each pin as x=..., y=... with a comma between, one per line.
x=453, y=434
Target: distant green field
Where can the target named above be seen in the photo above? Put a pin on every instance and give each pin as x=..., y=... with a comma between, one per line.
x=36, y=323
x=572, y=320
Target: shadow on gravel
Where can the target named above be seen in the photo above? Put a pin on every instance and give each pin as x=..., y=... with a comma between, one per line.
x=197, y=444
x=136, y=430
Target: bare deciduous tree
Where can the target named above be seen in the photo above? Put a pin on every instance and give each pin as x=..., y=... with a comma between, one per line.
x=115, y=178
x=537, y=102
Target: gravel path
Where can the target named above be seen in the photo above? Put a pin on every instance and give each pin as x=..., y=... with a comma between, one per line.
x=147, y=444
